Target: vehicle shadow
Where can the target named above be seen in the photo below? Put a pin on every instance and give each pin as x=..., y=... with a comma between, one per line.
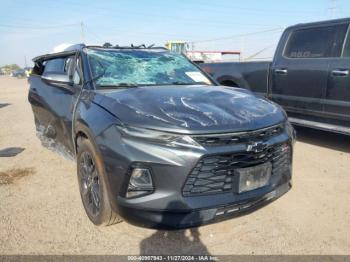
x=174, y=243
x=4, y=104
x=322, y=138
x=179, y=242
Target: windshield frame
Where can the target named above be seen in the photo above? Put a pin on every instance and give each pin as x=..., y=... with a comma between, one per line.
x=212, y=81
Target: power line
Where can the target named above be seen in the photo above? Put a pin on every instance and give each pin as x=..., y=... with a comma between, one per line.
x=210, y=7
x=36, y=27
x=222, y=23
x=186, y=22
x=229, y=10
x=95, y=36
x=279, y=29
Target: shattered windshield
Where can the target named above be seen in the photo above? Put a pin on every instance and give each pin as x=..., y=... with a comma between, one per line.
x=123, y=68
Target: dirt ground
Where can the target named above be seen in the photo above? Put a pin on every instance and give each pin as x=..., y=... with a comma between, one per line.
x=41, y=211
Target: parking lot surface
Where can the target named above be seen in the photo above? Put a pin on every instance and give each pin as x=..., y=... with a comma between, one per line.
x=41, y=211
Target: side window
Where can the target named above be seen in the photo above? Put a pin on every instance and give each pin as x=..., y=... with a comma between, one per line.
x=58, y=65
x=55, y=65
x=346, y=49
x=339, y=40
x=316, y=42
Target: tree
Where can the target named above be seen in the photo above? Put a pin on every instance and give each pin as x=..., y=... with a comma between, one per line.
x=7, y=69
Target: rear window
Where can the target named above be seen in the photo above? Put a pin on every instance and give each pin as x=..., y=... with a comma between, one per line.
x=316, y=42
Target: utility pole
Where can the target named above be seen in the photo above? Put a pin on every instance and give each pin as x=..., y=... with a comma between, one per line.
x=25, y=61
x=333, y=8
x=82, y=32
x=241, y=57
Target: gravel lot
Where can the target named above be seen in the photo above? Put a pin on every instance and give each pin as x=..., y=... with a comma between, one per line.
x=41, y=211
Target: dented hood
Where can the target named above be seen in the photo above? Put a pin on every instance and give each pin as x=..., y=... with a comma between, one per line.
x=190, y=109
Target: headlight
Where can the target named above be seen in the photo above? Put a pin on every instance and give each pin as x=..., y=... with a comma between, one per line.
x=290, y=130
x=159, y=137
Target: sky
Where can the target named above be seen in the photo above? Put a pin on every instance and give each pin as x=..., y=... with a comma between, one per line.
x=253, y=27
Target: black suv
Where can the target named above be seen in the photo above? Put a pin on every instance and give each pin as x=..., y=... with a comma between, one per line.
x=156, y=140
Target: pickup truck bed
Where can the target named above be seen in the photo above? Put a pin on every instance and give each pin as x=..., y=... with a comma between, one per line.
x=249, y=75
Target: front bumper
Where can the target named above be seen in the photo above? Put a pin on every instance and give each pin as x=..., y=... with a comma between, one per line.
x=168, y=207
x=172, y=219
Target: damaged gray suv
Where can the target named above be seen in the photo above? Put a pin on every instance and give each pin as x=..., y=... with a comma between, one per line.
x=157, y=142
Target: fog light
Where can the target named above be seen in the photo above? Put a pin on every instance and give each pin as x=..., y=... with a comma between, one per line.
x=140, y=183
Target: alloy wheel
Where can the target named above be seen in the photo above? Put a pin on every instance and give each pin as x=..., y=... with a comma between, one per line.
x=89, y=183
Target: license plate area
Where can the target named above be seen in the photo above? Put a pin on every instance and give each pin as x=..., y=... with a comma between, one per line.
x=250, y=178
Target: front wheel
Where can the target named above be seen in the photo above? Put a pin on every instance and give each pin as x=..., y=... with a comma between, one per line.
x=92, y=185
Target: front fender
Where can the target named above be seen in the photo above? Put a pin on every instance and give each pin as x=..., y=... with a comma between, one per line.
x=91, y=121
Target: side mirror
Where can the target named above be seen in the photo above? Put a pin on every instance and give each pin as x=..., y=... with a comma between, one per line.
x=58, y=79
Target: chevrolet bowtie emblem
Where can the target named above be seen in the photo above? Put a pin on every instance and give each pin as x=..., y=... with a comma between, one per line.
x=256, y=147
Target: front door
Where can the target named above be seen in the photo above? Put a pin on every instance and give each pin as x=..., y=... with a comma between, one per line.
x=53, y=105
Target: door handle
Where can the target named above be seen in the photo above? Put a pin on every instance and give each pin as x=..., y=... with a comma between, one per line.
x=281, y=71
x=340, y=72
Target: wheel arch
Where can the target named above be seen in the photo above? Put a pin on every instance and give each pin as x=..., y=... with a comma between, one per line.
x=81, y=131
x=228, y=80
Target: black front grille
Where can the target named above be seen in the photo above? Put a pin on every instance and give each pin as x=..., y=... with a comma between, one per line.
x=215, y=173
x=236, y=138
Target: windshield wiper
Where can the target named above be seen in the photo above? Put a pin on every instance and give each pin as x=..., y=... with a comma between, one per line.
x=183, y=83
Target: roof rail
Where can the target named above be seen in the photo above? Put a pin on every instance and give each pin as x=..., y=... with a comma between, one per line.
x=70, y=49
x=143, y=46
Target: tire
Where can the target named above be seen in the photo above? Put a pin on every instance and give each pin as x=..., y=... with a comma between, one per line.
x=92, y=185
